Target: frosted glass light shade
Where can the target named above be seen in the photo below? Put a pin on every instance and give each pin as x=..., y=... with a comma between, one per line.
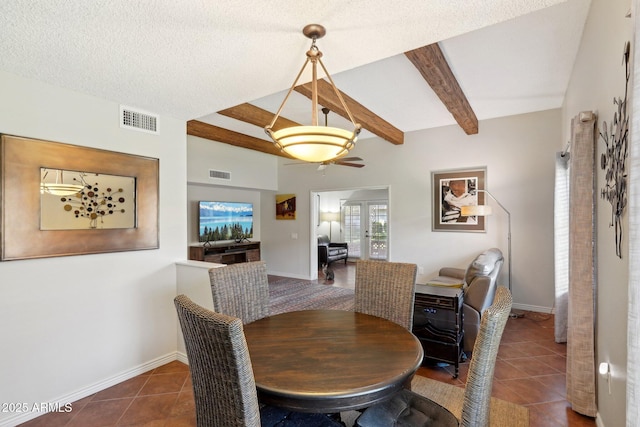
x=56, y=185
x=477, y=210
x=314, y=143
x=60, y=189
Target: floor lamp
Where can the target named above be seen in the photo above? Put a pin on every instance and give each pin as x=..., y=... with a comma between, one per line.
x=330, y=217
x=485, y=210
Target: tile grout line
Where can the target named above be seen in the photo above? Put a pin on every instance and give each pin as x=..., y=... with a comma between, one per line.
x=134, y=398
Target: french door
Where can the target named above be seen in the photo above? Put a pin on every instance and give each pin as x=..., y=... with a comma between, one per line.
x=366, y=229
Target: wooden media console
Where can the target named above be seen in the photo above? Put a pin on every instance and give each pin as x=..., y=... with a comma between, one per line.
x=226, y=253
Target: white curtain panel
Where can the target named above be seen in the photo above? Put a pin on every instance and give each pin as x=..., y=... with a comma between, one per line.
x=561, y=244
x=633, y=326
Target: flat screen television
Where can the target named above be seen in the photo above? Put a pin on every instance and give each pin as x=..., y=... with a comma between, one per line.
x=224, y=221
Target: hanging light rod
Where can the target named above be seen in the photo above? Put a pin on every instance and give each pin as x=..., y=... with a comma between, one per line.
x=314, y=143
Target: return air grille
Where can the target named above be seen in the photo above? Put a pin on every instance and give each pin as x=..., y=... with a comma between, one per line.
x=219, y=174
x=138, y=120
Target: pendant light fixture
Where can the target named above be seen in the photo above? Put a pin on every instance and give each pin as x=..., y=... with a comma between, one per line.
x=314, y=143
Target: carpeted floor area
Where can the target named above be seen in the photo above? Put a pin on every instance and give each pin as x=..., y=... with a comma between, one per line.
x=288, y=295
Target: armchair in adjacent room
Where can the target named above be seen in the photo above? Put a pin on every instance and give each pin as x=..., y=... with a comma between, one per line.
x=329, y=252
x=479, y=281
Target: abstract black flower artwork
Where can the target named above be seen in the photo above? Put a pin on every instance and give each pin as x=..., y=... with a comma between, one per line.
x=93, y=203
x=614, y=158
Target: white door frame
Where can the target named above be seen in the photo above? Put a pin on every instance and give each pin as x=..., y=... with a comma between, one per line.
x=314, y=209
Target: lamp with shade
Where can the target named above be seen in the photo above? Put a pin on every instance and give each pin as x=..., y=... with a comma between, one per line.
x=485, y=210
x=330, y=217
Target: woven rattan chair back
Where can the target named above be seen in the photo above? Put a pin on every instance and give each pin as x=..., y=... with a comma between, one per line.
x=386, y=289
x=241, y=290
x=410, y=408
x=223, y=384
x=477, y=394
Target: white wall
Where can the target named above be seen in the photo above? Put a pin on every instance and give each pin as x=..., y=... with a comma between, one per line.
x=518, y=152
x=248, y=168
x=71, y=325
x=251, y=171
x=598, y=77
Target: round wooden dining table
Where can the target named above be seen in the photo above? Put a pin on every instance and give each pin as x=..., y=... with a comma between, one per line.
x=329, y=361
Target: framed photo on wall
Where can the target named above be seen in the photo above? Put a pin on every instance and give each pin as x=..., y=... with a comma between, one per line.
x=452, y=189
x=285, y=206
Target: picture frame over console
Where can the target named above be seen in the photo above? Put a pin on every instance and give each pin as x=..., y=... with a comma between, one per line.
x=93, y=200
x=452, y=189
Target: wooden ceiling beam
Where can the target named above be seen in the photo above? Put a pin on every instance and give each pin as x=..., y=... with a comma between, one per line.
x=368, y=119
x=256, y=116
x=433, y=66
x=215, y=133
x=430, y=62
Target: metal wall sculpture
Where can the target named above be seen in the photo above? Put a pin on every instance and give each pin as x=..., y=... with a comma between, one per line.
x=614, y=158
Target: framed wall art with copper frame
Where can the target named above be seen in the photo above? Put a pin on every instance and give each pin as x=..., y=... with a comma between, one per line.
x=59, y=199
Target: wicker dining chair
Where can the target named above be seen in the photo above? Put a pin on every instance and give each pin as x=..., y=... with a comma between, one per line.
x=241, y=290
x=409, y=408
x=224, y=387
x=386, y=289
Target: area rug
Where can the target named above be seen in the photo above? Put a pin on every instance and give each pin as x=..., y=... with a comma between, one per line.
x=503, y=413
x=290, y=295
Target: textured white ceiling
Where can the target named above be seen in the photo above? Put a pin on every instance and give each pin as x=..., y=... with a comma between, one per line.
x=188, y=58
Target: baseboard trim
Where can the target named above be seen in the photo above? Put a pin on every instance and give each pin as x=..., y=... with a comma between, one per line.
x=95, y=387
x=181, y=357
x=536, y=308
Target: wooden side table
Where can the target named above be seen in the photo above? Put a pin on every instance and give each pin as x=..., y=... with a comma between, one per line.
x=437, y=322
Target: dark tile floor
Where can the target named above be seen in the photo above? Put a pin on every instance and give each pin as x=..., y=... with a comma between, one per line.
x=530, y=371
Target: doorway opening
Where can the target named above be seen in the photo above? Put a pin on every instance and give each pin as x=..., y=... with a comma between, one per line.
x=359, y=217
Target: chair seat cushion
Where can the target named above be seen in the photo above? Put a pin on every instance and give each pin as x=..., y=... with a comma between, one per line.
x=273, y=416
x=337, y=251
x=407, y=409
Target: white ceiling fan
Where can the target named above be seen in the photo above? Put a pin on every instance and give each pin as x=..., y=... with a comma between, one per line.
x=344, y=161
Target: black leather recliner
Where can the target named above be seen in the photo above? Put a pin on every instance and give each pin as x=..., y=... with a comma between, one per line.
x=329, y=252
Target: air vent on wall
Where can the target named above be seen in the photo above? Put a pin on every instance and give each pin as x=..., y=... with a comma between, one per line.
x=138, y=120
x=219, y=174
